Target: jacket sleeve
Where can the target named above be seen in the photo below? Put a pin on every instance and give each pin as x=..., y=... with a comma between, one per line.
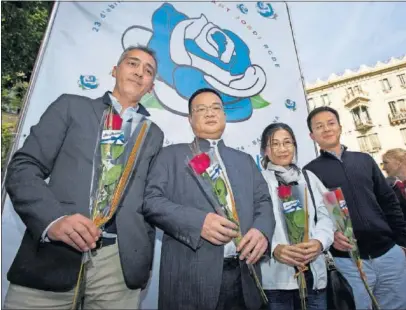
x=390, y=204
x=324, y=229
x=159, y=137
x=264, y=219
x=183, y=223
x=31, y=165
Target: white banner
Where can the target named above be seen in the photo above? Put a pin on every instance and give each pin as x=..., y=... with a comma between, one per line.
x=243, y=50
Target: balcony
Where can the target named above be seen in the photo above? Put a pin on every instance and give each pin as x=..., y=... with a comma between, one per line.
x=363, y=125
x=356, y=97
x=397, y=118
x=371, y=149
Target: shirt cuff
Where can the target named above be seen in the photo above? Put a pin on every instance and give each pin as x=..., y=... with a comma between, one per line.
x=44, y=237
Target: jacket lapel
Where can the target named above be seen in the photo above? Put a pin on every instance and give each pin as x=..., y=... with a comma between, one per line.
x=100, y=105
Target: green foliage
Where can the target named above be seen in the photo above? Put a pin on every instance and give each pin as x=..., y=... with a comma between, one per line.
x=23, y=24
x=11, y=98
x=7, y=137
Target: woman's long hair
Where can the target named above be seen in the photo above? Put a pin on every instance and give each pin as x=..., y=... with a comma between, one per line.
x=267, y=136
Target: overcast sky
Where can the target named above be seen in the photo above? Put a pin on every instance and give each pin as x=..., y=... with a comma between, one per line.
x=335, y=36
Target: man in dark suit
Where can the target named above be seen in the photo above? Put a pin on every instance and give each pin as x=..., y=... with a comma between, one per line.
x=200, y=265
x=56, y=214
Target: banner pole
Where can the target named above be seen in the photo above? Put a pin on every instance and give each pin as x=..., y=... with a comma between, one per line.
x=300, y=69
x=27, y=97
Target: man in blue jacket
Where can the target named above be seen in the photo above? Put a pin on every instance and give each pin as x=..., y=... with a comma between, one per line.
x=378, y=222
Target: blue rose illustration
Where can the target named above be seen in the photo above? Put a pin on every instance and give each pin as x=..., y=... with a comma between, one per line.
x=194, y=53
x=266, y=10
x=290, y=104
x=88, y=82
x=242, y=8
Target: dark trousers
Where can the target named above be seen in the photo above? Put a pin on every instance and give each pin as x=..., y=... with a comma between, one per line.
x=290, y=299
x=231, y=295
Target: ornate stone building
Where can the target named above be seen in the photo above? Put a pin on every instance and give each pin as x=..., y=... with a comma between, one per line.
x=371, y=102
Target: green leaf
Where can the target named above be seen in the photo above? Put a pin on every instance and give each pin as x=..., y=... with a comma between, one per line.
x=116, y=150
x=104, y=148
x=258, y=102
x=220, y=190
x=150, y=101
x=299, y=218
x=102, y=204
x=113, y=174
x=110, y=189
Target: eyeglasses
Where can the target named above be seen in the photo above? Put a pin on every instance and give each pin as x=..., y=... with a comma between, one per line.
x=202, y=109
x=288, y=144
x=321, y=127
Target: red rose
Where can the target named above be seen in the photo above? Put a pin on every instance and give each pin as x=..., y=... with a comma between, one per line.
x=200, y=163
x=330, y=198
x=339, y=194
x=113, y=122
x=284, y=192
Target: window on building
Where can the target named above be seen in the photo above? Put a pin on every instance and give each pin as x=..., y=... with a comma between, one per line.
x=369, y=144
x=357, y=89
x=363, y=144
x=311, y=103
x=402, y=79
x=401, y=105
x=360, y=115
x=350, y=91
x=326, y=99
x=392, y=107
x=385, y=85
x=403, y=133
x=374, y=141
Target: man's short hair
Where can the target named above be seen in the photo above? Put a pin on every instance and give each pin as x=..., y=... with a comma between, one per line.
x=142, y=48
x=318, y=110
x=200, y=91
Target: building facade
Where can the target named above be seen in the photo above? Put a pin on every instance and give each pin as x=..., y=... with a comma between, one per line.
x=371, y=102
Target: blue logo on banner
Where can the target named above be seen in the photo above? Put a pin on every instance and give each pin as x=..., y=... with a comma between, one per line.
x=265, y=10
x=290, y=104
x=88, y=82
x=194, y=53
x=242, y=8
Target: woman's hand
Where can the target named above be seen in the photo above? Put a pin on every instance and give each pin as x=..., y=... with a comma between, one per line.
x=290, y=255
x=312, y=249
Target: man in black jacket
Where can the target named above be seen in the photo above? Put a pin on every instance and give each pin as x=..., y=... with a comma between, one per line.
x=378, y=222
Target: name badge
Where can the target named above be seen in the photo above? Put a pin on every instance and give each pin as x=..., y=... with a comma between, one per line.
x=214, y=171
x=291, y=206
x=112, y=137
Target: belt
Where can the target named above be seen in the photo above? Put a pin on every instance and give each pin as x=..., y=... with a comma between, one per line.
x=231, y=262
x=102, y=242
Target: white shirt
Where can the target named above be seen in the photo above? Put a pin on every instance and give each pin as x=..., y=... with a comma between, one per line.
x=230, y=248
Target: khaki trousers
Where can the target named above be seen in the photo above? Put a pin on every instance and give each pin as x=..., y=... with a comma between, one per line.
x=105, y=288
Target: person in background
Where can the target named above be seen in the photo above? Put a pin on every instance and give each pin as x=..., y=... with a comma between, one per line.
x=279, y=147
x=394, y=164
x=377, y=219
